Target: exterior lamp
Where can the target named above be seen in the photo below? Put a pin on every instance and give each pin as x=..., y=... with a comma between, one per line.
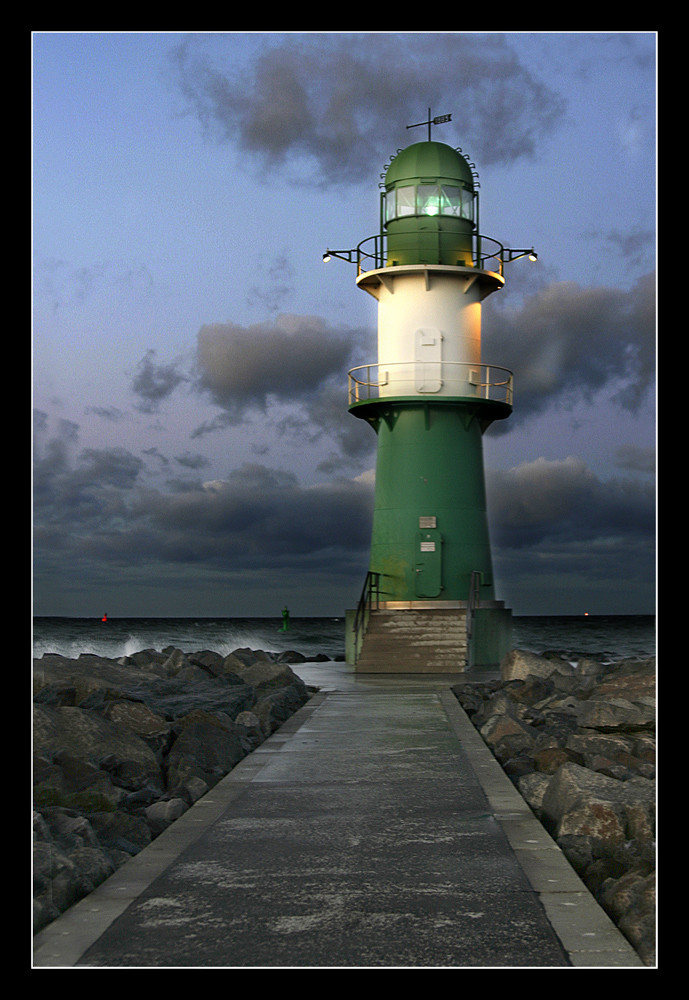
x=519, y=254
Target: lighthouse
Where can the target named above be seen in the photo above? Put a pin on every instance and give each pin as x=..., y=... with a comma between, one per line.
x=429, y=603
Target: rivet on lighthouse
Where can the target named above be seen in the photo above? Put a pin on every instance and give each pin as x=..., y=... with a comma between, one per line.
x=428, y=602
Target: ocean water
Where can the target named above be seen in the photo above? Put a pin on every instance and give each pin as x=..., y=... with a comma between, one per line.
x=603, y=637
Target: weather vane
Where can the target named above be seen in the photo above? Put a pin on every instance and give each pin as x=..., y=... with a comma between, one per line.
x=438, y=120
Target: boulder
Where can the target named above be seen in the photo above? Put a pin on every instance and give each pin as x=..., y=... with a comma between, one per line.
x=121, y=832
x=88, y=736
x=279, y=692
x=631, y=901
x=579, y=801
x=122, y=748
x=68, y=863
x=161, y=814
x=73, y=782
x=611, y=714
x=206, y=748
x=519, y=664
x=579, y=744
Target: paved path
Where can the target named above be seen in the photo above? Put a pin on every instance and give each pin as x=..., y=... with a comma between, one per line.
x=373, y=830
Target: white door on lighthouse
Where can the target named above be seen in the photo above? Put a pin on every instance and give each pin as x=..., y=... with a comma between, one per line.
x=428, y=356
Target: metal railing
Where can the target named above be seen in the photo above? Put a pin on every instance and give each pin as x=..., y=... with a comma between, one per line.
x=371, y=253
x=458, y=379
x=473, y=602
x=370, y=595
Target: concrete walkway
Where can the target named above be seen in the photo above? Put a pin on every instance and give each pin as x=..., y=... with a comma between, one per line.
x=373, y=830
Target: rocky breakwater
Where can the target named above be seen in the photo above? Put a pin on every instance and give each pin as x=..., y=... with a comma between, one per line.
x=579, y=744
x=122, y=748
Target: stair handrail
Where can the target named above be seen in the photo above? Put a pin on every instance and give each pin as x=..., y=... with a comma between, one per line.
x=474, y=599
x=369, y=592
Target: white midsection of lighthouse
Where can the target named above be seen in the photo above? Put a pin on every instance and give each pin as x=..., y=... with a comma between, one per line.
x=429, y=329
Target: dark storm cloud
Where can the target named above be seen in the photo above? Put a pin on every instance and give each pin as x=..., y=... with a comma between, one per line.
x=568, y=342
x=338, y=100
x=84, y=495
x=547, y=503
x=259, y=517
x=565, y=539
x=95, y=507
x=289, y=359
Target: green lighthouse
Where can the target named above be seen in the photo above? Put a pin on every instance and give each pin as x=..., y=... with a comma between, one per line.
x=429, y=601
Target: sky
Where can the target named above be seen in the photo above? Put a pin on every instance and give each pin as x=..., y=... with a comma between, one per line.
x=192, y=450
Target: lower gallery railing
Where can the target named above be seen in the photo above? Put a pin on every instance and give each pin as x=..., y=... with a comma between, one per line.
x=452, y=378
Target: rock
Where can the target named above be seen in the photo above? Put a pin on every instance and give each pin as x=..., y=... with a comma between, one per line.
x=291, y=656
x=161, y=814
x=253, y=730
x=519, y=664
x=170, y=685
x=73, y=782
x=550, y=759
x=610, y=714
x=579, y=744
x=87, y=735
x=533, y=787
x=191, y=789
x=279, y=692
x=68, y=863
x=631, y=900
x=151, y=727
x=506, y=724
x=207, y=748
x=122, y=748
x=581, y=802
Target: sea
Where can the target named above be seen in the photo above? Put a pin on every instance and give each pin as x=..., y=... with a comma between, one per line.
x=606, y=638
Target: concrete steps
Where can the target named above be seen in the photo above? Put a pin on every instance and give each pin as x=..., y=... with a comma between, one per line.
x=414, y=641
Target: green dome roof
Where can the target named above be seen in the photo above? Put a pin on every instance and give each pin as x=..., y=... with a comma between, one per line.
x=429, y=160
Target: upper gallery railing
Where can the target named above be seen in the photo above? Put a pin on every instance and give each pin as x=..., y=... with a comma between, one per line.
x=488, y=254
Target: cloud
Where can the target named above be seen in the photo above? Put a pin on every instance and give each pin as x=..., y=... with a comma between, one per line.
x=567, y=342
x=58, y=284
x=288, y=359
x=636, y=459
x=95, y=508
x=276, y=286
x=543, y=503
x=96, y=515
x=113, y=414
x=563, y=539
x=153, y=382
x=334, y=100
x=192, y=461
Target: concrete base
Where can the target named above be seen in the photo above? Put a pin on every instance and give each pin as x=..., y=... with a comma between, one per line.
x=415, y=641
x=491, y=637
x=426, y=638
